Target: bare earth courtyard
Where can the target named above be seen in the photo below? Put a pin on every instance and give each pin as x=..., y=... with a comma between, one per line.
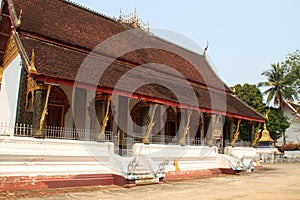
x=274, y=181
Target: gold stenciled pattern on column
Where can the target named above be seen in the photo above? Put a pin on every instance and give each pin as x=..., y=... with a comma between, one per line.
x=31, y=86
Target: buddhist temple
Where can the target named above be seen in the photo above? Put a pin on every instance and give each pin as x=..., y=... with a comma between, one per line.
x=87, y=99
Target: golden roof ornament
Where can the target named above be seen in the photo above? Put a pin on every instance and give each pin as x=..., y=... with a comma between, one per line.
x=234, y=90
x=133, y=20
x=121, y=17
x=19, y=21
x=32, y=69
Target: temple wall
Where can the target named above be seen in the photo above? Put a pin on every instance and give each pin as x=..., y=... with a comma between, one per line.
x=29, y=163
x=244, y=154
x=50, y=156
x=292, y=133
x=90, y=116
x=10, y=91
x=84, y=109
x=69, y=115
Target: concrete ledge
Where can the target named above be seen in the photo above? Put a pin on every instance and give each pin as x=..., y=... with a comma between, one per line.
x=181, y=158
x=29, y=163
x=245, y=153
x=190, y=174
x=29, y=156
x=17, y=183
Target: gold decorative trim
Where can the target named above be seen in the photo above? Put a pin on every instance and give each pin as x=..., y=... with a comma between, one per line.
x=41, y=87
x=1, y=75
x=39, y=133
x=19, y=21
x=11, y=52
x=144, y=103
x=257, y=135
x=151, y=124
x=101, y=136
x=134, y=21
x=186, y=128
x=100, y=96
x=31, y=87
x=32, y=69
x=215, y=129
x=236, y=134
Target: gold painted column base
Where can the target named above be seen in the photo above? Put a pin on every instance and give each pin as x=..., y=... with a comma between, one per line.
x=39, y=134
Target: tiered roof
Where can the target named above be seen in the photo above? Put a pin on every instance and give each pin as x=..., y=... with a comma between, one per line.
x=63, y=34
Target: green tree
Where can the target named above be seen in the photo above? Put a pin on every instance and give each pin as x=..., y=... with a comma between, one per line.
x=277, y=123
x=280, y=85
x=251, y=95
x=292, y=67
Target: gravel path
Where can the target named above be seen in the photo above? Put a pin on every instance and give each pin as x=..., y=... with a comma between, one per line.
x=274, y=181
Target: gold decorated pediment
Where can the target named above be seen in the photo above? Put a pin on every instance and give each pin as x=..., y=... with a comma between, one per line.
x=11, y=52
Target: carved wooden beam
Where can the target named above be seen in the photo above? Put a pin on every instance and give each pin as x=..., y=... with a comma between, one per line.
x=257, y=135
x=236, y=134
x=151, y=124
x=105, y=119
x=214, y=129
x=186, y=128
x=44, y=113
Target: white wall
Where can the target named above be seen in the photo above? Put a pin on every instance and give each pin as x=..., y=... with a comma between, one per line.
x=10, y=91
x=293, y=132
x=90, y=98
x=69, y=115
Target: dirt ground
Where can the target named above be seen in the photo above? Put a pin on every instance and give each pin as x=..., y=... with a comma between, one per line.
x=274, y=181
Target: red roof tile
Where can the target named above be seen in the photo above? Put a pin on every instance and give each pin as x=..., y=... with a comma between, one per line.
x=63, y=35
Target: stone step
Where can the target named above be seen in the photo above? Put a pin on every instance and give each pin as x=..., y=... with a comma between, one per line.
x=144, y=176
x=146, y=181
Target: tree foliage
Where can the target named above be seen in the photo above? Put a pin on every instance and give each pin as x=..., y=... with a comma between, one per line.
x=292, y=67
x=251, y=95
x=280, y=84
x=277, y=123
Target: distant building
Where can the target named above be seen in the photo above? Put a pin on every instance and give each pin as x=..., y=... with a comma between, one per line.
x=292, y=135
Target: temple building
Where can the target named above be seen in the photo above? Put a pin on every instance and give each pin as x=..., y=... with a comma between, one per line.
x=292, y=111
x=71, y=76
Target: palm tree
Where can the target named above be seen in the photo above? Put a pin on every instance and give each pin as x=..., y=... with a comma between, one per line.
x=280, y=85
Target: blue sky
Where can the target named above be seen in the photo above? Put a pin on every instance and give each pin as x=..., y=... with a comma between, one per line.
x=245, y=37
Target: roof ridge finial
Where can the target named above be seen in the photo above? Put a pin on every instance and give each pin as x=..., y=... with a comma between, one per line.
x=205, y=49
x=121, y=16
x=132, y=19
x=19, y=21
